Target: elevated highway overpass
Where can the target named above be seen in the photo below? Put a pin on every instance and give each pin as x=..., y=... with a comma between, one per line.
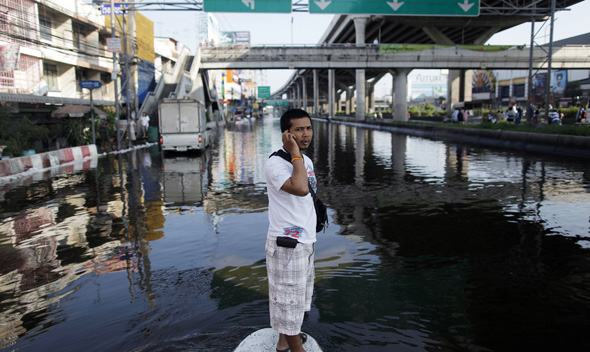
x=399, y=59
x=392, y=56
x=366, y=69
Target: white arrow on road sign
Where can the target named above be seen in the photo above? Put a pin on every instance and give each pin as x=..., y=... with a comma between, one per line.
x=251, y=2
x=396, y=5
x=465, y=5
x=323, y=4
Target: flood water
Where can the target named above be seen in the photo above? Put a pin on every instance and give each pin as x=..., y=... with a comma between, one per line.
x=432, y=246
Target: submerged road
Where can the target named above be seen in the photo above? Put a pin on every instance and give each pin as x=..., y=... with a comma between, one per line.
x=431, y=245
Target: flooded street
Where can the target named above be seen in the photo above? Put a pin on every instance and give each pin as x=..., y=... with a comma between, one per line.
x=431, y=246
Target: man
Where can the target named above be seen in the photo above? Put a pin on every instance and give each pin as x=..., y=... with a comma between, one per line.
x=145, y=123
x=292, y=223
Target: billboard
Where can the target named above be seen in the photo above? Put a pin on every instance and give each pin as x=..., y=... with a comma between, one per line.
x=144, y=33
x=539, y=87
x=235, y=38
x=559, y=82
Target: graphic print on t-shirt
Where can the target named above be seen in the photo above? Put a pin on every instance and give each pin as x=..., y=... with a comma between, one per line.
x=293, y=232
x=312, y=180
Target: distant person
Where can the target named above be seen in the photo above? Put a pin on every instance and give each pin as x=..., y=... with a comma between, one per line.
x=132, y=129
x=536, y=118
x=145, y=124
x=581, y=115
x=461, y=117
x=376, y=41
x=455, y=116
x=530, y=113
x=518, y=115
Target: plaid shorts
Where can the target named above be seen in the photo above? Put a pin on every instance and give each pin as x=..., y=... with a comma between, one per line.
x=290, y=285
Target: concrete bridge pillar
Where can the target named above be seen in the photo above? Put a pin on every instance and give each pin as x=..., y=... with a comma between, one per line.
x=371, y=97
x=401, y=105
x=349, y=95
x=304, y=88
x=331, y=88
x=298, y=89
x=316, y=106
x=359, y=27
x=458, y=87
x=392, y=106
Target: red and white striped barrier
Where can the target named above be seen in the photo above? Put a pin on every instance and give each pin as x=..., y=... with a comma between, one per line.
x=48, y=160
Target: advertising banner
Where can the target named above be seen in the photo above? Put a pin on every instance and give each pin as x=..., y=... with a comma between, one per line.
x=539, y=87
x=559, y=82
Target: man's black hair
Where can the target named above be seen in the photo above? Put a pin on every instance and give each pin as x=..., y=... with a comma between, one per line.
x=292, y=115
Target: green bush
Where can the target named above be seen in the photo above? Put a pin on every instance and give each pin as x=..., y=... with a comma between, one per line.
x=413, y=110
x=427, y=109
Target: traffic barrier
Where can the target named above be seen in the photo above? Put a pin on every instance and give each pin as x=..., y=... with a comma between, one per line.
x=47, y=160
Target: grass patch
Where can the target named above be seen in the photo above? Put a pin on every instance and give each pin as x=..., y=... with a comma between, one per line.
x=569, y=130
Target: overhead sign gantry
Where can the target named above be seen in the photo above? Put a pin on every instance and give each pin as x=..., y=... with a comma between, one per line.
x=397, y=7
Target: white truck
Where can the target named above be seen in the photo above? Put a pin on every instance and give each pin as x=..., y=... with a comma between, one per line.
x=183, y=125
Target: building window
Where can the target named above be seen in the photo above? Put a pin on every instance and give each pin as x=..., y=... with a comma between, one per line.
x=81, y=75
x=79, y=36
x=45, y=27
x=50, y=74
x=518, y=90
x=504, y=91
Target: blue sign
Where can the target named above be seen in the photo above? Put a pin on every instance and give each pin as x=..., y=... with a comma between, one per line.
x=105, y=9
x=90, y=84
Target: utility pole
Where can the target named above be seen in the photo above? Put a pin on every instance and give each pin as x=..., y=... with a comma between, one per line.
x=530, y=78
x=548, y=82
x=115, y=75
x=127, y=75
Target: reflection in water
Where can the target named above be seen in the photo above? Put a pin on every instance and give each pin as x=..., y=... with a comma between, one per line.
x=431, y=246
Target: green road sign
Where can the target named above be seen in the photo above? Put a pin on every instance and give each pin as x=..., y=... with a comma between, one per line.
x=397, y=7
x=277, y=103
x=263, y=92
x=247, y=6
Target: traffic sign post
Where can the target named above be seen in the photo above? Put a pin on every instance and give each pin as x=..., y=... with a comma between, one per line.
x=397, y=7
x=277, y=6
x=91, y=85
x=263, y=92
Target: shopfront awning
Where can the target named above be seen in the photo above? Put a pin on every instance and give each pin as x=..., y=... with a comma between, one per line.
x=77, y=111
x=41, y=99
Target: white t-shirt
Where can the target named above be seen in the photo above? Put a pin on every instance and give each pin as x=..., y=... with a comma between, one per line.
x=145, y=120
x=289, y=215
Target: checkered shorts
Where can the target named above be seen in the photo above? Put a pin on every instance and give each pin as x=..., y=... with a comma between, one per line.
x=290, y=281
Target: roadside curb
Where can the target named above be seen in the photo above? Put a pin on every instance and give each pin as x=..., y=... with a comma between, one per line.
x=557, y=144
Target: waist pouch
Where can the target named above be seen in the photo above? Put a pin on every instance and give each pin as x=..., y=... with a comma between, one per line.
x=286, y=242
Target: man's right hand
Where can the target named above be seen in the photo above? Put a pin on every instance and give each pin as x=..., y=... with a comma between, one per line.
x=290, y=144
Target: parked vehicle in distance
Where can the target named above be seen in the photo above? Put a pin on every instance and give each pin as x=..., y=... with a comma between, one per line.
x=183, y=125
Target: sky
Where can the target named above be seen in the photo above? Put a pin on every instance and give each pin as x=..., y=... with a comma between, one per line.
x=300, y=28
